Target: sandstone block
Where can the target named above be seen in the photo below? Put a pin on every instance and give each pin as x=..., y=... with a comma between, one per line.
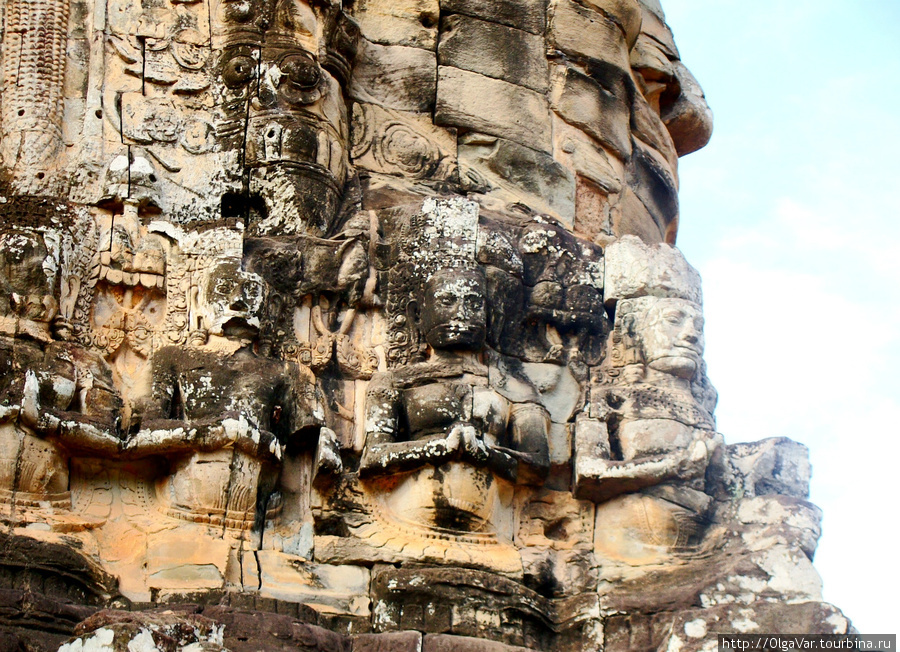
x=467, y=99
x=395, y=76
x=689, y=118
x=653, y=182
x=447, y=643
x=626, y=14
x=773, y=570
x=506, y=170
x=402, y=143
x=529, y=15
x=585, y=157
x=176, y=562
x=602, y=110
x=494, y=50
x=592, y=211
x=554, y=519
x=654, y=25
x=253, y=631
x=692, y=630
x=786, y=520
x=635, y=269
x=388, y=642
x=583, y=32
x=648, y=127
x=770, y=466
x=339, y=589
x=399, y=22
x=629, y=216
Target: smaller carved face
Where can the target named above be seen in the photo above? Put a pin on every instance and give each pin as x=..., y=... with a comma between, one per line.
x=453, y=313
x=27, y=278
x=232, y=298
x=671, y=336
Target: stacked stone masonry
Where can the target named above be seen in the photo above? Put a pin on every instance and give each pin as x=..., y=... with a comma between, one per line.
x=359, y=326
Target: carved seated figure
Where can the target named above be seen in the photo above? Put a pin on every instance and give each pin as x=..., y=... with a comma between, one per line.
x=56, y=398
x=654, y=433
x=221, y=413
x=442, y=446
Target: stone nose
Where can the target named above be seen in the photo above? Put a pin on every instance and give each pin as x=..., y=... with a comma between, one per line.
x=689, y=334
x=267, y=95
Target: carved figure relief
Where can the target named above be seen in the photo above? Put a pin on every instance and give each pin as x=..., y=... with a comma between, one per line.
x=443, y=450
x=58, y=398
x=361, y=313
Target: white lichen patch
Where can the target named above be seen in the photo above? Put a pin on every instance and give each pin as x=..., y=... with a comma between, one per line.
x=791, y=574
x=696, y=628
x=675, y=644
x=840, y=624
x=143, y=642
x=749, y=583
x=744, y=625
x=100, y=640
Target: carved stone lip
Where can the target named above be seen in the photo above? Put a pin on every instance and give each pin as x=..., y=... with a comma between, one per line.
x=301, y=168
x=682, y=353
x=461, y=334
x=686, y=346
x=240, y=328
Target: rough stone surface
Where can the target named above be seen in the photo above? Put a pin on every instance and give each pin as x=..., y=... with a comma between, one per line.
x=395, y=76
x=528, y=15
x=601, y=110
x=444, y=643
x=407, y=22
x=570, y=22
x=472, y=101
x=508, y=173
x=497, y=51
x=634, y=269
x=359, y=327
x=388, y=642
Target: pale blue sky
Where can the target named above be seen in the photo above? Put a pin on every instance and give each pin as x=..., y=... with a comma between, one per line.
x=791, y=215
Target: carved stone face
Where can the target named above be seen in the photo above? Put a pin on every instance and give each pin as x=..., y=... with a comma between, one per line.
x=576, y=110
x=27, y=280
x=453, y=312
x=670, y=336
x=232, y=299
x=286, y=112
x=633, y=96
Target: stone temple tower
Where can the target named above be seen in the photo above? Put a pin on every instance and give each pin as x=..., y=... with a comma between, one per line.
x=360, y=326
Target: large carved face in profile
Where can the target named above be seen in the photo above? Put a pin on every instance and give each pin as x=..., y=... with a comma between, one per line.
x=453, y=310
x=27, y=277
x=669, y=333
x=622, y=84
x=576, y=109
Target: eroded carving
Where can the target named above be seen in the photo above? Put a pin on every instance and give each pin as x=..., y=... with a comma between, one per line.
x=445, y=448
x=361, y=311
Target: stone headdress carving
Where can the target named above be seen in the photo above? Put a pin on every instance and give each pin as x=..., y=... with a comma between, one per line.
x=658, y=322
x=441, y=236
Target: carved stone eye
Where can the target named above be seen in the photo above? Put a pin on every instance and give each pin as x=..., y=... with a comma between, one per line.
x=301, y=71
x=239, y=70
x=674, y=317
